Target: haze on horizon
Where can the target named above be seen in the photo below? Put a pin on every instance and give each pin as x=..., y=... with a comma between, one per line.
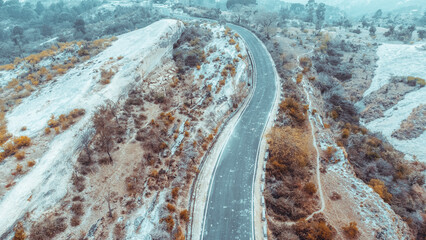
x=358, y=7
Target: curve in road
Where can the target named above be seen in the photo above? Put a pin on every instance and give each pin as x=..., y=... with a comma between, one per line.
x=229, y=207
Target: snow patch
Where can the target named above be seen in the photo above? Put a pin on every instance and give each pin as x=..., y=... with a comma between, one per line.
x=397, y=60
x=400, y=60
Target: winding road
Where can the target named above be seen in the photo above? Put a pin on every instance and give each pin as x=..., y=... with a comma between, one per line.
x=229, y=208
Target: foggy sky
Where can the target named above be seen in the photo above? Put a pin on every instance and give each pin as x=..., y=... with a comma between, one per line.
x=364, y=6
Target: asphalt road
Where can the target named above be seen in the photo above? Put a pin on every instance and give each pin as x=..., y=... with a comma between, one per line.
x=229, y=209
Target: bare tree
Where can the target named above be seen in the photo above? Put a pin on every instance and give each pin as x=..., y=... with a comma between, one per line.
x=108, y=200
x=266, y=22
x=85, y=144
x=113, y=108
x=104, y=130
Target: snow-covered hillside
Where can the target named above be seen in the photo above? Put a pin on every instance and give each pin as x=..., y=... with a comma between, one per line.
x=43, y=186
x=400, y=60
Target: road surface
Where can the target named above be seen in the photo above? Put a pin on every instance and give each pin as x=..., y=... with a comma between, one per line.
x=229, y=208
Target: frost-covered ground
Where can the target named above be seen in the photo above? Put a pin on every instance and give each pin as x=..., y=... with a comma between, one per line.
x=400, y=60
x=46, y=184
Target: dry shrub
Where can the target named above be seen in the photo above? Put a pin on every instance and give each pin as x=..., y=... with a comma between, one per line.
x=19, y=232
x=20, y=155
x=329, y=153
x=8, y=149
x=18, y=168
x=31, y=163
x=170, y=223
x=335, y=196
x=289, y=151
x=379, y=187
x=295, y=110
x=299, y=78
x=78, y=182
x=77, y=209
x=351, y=230
x=179, y=234
x=48, y=228
x=106, y=76
x=118, y=231
x=175, y=192
x=7, y=67
x=171, y=207
x=315, y=230
x=75, y=221
x=52, y=123
x=22, y=141
x=310, y=188
x=184, y=215
x=345, y=133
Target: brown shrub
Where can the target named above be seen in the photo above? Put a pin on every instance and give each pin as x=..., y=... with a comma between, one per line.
x=48, y=229
x=170, y=223
x=106, y=76
x=20, y=155
x=175, y=192
x=293, y=152
x=345, y=133
x=118, y=231
x=351, y=230
x=19, y=232
x=295, y=110
x=314, y=230
x=330, y=152
x=310, y=188
x=179, y=234
x=184, y=215
x=171, y=207
x=31, y=163
x=299, y=78
x=75, y=221
x=77, y=209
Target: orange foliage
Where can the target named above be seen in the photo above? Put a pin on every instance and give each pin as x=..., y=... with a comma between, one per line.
x=291, y=107
x=7, y=67
x=31, y=163
x=13, y=83
x=22, y=141
x=299, y=78
x=179, y=234
x=175, y=192
x=171, y=207
x=19, y=232
x=169, y=222
x=379, y=187
x=184, y=215
x=288, y=155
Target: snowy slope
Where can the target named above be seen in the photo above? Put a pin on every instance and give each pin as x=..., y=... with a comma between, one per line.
x=400, y=60
x=142, y=50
